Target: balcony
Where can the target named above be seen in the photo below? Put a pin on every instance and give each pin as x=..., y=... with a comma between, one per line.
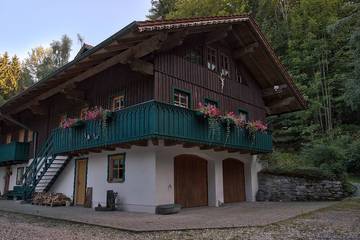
x=155, y=120
x=14, y=153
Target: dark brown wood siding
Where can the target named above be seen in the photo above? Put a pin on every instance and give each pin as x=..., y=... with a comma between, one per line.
x=98, y=90
x=174, y=72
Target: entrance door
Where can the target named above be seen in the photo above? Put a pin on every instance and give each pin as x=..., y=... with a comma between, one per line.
x=80, y=184
x=234, y=181
x=190, y=181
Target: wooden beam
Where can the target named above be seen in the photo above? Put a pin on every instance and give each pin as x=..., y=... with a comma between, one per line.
x=125, y=57
x=109, y=148
x=38, y=110
x=205, y=147
x=217, y=35
x=73, y=94
x=174, y=40
x=189, y=145
x=281, y=102
x=119, y=47
x=277, y=89
x=143, y=143
x=155, y=141
x=219, y=149
x=124, y=145
x=245, y=50
x=95, y=150
x=142, y=66
x=169, y=143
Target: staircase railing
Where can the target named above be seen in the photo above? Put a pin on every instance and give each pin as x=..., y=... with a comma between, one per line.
x=38, y=167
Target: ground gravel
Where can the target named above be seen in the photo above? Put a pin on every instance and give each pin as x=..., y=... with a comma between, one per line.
x=340, y=221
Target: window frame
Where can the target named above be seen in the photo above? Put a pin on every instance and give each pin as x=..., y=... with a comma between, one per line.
x=185, y=92
x=18, y=181
x=238, y=72
x=116, y=180
x=116, y=97
x=222, y=59
x=242, y=110
x=215, y=64
x=207, y=100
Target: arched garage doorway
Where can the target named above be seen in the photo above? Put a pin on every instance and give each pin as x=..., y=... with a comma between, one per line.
x=234, y=180
x=190, y=181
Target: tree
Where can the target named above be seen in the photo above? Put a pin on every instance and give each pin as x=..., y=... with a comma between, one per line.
x=9, y=75
x=160, y=8
x=43, y=61
x=198, y=8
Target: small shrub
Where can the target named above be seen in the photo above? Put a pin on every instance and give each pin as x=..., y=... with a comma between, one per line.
x=328, y=157
x=353, y=158
x=308, y=173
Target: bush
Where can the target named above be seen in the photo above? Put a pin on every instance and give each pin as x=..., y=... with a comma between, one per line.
x=279, y=159
x=308, y=173
x=353, y=158
x=330, y=158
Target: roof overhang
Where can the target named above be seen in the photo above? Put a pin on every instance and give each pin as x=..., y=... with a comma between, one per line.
x=139, y=39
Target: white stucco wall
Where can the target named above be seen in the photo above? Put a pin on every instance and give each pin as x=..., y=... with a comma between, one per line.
x=149, y=176
x=12, y=181
x=136, y=193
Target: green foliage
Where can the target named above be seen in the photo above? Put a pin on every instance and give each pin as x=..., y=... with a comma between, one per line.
x=353, y=158
x=308, y=173
x=284, y=160
x=43, y=61
x=9, y=75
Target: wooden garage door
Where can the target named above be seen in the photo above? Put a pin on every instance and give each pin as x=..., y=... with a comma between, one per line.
x=234, y=181
x=190, y=180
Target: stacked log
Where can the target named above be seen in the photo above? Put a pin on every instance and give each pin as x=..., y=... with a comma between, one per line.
x=50, y=199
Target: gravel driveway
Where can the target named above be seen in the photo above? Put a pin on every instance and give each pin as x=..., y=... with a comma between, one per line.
x=340, y=221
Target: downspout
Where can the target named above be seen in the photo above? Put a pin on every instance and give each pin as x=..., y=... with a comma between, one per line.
x=10, y=119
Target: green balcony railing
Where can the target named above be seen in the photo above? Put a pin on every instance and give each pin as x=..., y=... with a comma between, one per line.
x=154, y=120
x=14, y=152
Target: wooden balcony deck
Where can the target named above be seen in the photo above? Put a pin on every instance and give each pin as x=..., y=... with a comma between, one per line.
x=13, y=153
x=155, y=120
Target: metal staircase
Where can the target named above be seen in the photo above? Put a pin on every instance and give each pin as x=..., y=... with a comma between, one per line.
x=43, y=170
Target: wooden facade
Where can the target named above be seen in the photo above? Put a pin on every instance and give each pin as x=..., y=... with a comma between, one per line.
x=206, y=58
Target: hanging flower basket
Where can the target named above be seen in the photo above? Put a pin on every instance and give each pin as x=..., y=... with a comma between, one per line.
x=78, y=124
x=107, y=115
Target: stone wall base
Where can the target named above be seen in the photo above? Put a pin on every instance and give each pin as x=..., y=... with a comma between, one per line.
x=283, y=188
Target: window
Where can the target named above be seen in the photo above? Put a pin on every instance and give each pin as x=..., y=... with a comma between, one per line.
x=83, y=112
x=211, y=59
x=116, y=168
x=224, y=65
x=19, y=175
x=8, y=138
x=181, y=99
x=30, y=136
x=211, y=102
x=240, y=78
x=118, y=103
x=194, y=55
x=243, y=115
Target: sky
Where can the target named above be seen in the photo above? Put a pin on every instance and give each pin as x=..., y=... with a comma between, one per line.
x=26, y=24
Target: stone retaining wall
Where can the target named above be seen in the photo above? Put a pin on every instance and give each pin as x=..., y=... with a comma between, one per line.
x=283, y=188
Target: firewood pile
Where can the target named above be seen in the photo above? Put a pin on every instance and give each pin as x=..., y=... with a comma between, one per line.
x=50, y=199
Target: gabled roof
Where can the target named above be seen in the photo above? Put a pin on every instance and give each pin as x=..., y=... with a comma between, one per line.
x=139, y=39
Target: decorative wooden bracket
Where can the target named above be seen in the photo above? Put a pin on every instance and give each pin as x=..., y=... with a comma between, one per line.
x=246, y=50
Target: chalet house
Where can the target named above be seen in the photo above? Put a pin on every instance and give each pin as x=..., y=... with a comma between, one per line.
x=125, y=116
